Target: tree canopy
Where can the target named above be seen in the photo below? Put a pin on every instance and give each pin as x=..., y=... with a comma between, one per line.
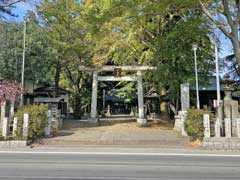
x=68, y=33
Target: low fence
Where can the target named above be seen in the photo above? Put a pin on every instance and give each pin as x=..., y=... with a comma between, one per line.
x=9, y=129
x=9, y=133
x=225, y=137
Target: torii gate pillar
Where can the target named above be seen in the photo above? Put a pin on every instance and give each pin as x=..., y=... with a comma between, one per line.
x=94, y=115
x=141, y=119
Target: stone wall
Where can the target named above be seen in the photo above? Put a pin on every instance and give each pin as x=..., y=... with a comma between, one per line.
x=226, y=140
x=221, y=143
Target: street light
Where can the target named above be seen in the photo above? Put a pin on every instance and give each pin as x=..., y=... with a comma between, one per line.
x=219, y=103
x=23, y=63
x=195, y=47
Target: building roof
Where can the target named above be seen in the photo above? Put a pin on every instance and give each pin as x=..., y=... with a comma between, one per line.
x=50, y=90
x=210, y=86
x=113, y=98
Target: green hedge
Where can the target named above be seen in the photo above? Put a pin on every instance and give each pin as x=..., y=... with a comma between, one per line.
x=194, y=123
x=37, y=120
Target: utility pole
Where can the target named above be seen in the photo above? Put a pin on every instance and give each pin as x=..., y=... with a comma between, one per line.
x=194, y=47
x=23, y=63
x=219, y=102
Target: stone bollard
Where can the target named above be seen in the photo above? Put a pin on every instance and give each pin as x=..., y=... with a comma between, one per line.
x=108, y=111
x=5, y=127
x=179, y=122
x=132, y=112
x=206, y=124
x=228, y=128
x=183, y=114
x=235, y=115
x=3, y=111
x=59, y=119
x=238, y=127
x=217, y=128
x=14, y=127
x=25, y=125
x=49, y=126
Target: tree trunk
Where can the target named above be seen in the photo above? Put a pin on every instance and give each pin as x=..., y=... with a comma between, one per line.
x=236, y=48
x=173, y=108
x=77, y=106
x=57, y=77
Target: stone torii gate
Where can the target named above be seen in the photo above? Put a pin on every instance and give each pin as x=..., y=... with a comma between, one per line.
x=94, y=116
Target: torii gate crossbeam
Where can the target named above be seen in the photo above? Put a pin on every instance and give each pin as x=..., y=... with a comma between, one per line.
x=94, y=116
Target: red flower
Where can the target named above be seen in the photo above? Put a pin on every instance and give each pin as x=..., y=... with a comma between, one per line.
x=9, y=91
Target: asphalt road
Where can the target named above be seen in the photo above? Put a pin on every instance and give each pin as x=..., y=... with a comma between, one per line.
x=117, y=166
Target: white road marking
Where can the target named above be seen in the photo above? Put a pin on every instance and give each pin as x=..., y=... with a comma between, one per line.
x=120, y=153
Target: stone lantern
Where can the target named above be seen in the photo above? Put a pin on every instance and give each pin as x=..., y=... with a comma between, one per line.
x=228, y=88
x=231, y=112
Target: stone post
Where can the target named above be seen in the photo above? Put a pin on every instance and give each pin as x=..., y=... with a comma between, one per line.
x=185, y=97
x=228, y=130
x=141, y=119
x=132, y=112
x=182, y=115
x=25, y=125
x=14, y=126
x=217, y=128
x=235, y=115
x=227, y=100
x=238, y=127
x=3, y=111
x=228, y=116
x=49, y=126
x=94, y=117
x=185, y=105
x=12, y=104
x=227, y=109
x=206, y=124
x=178, y=123
x=5, y=127
x=108, y=111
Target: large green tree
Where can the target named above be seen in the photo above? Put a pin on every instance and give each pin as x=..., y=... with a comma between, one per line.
x=40, y=57
x=140, y=32
x=65, y=26
x=159, y=33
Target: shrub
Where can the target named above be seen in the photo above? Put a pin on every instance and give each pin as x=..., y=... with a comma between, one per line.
x=37, y=120
x=194, y=123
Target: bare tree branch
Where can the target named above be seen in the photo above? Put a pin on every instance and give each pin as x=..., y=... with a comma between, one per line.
x=238, y=12
x=6, y=4
x=227, y=13
x=219, y=25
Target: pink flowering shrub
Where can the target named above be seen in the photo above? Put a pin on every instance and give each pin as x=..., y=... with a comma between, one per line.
x=9, y=91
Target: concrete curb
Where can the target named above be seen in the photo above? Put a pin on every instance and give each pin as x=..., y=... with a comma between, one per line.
x=13, y=144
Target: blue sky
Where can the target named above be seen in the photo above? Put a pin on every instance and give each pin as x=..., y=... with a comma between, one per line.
x=226, y=46
x=21, y=9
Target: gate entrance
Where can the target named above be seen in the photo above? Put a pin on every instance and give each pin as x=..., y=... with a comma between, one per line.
x=138, y=77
